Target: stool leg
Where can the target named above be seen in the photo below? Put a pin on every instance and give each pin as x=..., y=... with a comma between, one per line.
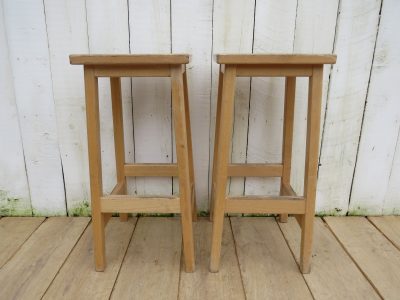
x=118, y=123
x=182, y=151
x=223, y=144
x=288, y=119
x=96, y=184
x=311, y=166
x=215, y=157
x=190, y=148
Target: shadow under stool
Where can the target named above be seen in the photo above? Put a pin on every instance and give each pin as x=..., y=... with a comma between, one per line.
x=115, y=67
x=289, y=66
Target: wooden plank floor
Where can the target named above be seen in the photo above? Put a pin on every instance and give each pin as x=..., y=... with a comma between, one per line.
x=353, y=258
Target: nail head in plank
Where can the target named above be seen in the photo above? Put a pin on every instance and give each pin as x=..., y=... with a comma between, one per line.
x=334, y=274
x=78, y=271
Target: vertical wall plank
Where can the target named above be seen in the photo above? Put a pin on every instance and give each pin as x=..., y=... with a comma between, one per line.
x=315, y=33
x=391, y=202
x=150, y=32
x=233, y=23
x=108, y=32
x=192, y=33
x=273, y=33
x=67, y=34
x=14, y=190
x=381, y=120
x=355, y=41
x=29, y=56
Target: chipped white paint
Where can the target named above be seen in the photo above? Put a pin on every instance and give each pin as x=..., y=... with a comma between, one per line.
x=355, y=40
x=381, y=122
x=274, y=33
x=192, y=33
x=14, y=190
x=29, y=57
x=149, y=23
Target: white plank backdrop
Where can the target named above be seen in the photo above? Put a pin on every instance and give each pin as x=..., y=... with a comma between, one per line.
x=43, y=148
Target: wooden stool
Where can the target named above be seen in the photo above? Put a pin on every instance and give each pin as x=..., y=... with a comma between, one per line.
x=303, y=207
x=116, y=66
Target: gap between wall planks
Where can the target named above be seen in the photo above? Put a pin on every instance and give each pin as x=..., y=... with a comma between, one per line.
x=54, y=152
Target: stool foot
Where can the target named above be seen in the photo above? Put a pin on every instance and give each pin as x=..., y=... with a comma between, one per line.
x=283, y=218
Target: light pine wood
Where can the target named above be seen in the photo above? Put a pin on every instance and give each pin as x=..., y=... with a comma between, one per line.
x=77, y=279
x=226, y=284
x=182, y=150
x=311, y=166
x=334, y=274
x=131, y=59
x=263, y=205
x=377, y=258
x=116, y=99
x=14, y=232
x=96, y=182
x=264, y=70
x=289, y=59
x=255, y=170
x=130, y=204
x=269, y=270
x=221, y=172
x=151, y=170
x=389, y=226
x=31, y=270
x=288, y=120
x=152, y=263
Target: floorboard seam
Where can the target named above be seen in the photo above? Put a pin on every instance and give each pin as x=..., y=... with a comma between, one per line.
x=373, y=224
x=351, y=257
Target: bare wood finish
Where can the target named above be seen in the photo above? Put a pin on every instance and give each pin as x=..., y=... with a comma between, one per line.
x=290, y=94
x=116, y=66
x=289, y=66
x=287, y=59
x=131, y=59
x=255, y=170
x=146, y=170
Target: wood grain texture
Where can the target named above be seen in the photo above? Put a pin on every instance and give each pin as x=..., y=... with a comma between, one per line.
x=354, y=46
x=315, y=33
x=265, y=261
x=382, y=113
x=273, y=33
x=105, y=19
x=29, y=58
x=233, y=34
x=77, y=278
x=14, y=232
x=378, y=259
x=14, y=189
x=152, y=262
x=151, y=96
x=391, y=205
x=389, y=226
x=334, y=275
x=31, y=270
x=276, y=59
x=67, y=33
x=191, y=32
x=226, y=284
x=131, y=59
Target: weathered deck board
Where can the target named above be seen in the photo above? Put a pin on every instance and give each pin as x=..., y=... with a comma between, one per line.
x=226, y=284
x=31, y=270
x=334, y=275
x=13, y=233
x=373, y=253
x=389, y=226
x=77, y=278
x=151, y=266
x=266, y=263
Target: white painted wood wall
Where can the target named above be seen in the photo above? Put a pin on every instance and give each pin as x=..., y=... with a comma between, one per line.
x=43, y=150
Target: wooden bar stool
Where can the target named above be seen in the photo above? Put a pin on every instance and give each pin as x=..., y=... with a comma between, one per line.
x=303, y=207
x=116, y=66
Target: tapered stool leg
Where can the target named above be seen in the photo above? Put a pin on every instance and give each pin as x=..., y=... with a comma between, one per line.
x=215, y=157
x=190, y=148
x=221, y=163
x=118, y=123
x=311, y=166
x=178, y=111
x=96, y=184
x=288, y=120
